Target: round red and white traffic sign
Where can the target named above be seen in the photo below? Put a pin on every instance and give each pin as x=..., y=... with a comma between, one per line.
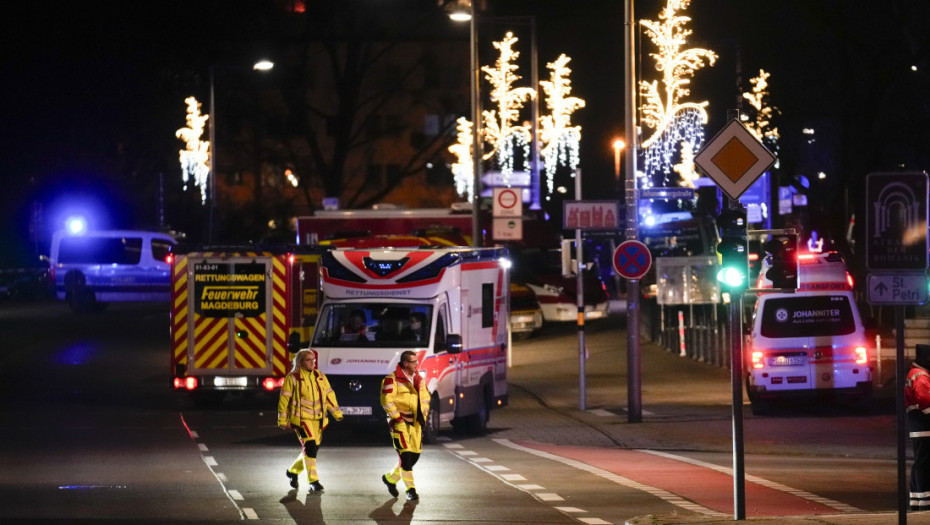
x=632, y=259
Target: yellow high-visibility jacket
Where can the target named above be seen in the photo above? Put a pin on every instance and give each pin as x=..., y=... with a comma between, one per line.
x=307, y=396
x=404, y=401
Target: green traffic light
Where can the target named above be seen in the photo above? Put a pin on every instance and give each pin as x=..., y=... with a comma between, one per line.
x=731, y=277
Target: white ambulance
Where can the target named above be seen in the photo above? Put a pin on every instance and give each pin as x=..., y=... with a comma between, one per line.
x=810, y=343
x=370, y=299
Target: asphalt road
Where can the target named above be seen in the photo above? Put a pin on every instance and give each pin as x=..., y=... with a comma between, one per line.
x=92, y=431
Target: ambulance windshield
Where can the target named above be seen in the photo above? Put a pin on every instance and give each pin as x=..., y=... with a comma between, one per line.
x=387, y=325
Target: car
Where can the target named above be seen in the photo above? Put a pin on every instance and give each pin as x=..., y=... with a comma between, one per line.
x=810, y=344
x=541, y=271
x=526, y=315
x=91, y=269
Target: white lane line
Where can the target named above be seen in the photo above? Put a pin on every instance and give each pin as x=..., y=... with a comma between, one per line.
x=512, y=477
x=452, y=445
x=208, y=459
x=467, y=453
x=594, y=521
x=665, y=495
x=202, y=447
x=774, y=485
x=236, y=495
x=568, y=510
x=496, y=468
x=481, y=460
x=531, y=486
x=548, y=496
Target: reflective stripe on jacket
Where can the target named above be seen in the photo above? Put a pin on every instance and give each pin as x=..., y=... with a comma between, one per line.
x=917, y=401
x=399, y=397
x=312, y=399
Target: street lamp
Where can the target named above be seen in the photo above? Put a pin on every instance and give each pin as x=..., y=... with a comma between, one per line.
x=261, y=65
x=460, y=13
x=618, y=148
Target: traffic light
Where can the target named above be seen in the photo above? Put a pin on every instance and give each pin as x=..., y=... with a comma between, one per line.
x=782, y=253
x=733, y=249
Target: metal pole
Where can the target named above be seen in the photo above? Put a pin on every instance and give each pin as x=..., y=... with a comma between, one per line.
x=579, y=294
x=475, y=134
x=212, y=191
x=900, y=375
x=736, y=376
x=534, y=79
x=634, y=363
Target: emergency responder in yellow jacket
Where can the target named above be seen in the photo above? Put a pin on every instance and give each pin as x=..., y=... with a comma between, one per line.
x=406, y=402
x=917, y=401
x=305, y=400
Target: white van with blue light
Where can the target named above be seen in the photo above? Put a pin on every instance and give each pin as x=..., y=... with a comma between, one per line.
x=93, y=268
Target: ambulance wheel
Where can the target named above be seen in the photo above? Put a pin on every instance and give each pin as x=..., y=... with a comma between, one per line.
x=477, y=423
x=431, y=430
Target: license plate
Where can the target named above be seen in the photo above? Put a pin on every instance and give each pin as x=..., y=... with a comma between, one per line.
x=231, y=381
x=356, y=411
x=791, y=360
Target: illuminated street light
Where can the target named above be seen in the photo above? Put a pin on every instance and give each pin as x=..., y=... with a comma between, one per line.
x=618, y=148
x=261, y=65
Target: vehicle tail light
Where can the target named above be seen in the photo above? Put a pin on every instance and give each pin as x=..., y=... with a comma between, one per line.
x=849, y=279
x=291, y=258
x=188, y=383
x=169, y=258
x=753, y=257
x=270, y=383
x=756, y=360
x=862, y=357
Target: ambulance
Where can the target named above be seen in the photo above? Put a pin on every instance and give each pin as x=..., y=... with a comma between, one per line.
x=370, y=298
x=237, y=316
x=810, y=343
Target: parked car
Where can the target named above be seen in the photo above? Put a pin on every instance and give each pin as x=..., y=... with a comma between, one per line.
x=526, y=315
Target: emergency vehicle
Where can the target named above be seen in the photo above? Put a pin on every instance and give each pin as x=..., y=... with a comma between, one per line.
x=237, y=314
x=809, y=343
x=461, y=297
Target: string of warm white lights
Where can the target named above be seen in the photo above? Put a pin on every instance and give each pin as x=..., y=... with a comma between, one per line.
x=761, y=124
x=462, y=170
x=499, y=129
x=560, y=140
x=677, y=125
x=195, y=158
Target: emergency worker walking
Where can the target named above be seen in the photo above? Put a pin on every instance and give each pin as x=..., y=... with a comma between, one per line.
x=306, y=398
x=406, y=402
x=917, y=400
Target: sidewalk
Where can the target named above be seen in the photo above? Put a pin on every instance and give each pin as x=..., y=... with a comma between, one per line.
x=545, y=393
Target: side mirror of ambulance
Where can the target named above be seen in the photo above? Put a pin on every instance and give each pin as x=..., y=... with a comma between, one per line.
x=453, y=343
x=293, y=343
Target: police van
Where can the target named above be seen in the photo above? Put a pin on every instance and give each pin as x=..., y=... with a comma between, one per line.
x=93, y=268
x=810, y=343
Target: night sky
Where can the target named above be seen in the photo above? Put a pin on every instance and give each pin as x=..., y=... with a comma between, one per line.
x=92, y=91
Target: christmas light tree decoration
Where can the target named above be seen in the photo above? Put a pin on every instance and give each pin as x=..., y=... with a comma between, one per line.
x=499, y=130
x=761, y=124
x=559, y=139
x=462, y=169
x=196, y=157
x=673, y=120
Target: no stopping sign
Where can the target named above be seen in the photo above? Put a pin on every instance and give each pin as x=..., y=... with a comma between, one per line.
x=632, y=259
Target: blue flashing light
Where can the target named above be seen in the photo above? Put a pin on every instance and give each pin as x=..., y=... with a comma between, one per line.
x=76, y=225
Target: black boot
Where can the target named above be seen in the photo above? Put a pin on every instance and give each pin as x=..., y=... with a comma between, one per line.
x=392, y=487
x=412, y=494
x=316, y=486
x=293, y=477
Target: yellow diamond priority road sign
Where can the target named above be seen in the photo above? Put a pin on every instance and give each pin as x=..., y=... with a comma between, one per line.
x=734, y=159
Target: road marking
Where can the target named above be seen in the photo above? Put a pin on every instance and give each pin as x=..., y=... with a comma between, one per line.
x=202, y=447
x=236, y=495
x=529, y=488
x=467, y=453
x=210, y=462
x=601, y=412
x=620, y=480
x=761, y=481
x=452, y=445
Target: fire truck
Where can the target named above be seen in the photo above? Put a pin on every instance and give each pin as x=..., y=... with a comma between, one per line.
x=460, y=295
x=237, y=314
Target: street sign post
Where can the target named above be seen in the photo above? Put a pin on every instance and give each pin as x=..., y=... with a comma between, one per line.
x=734, y=159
